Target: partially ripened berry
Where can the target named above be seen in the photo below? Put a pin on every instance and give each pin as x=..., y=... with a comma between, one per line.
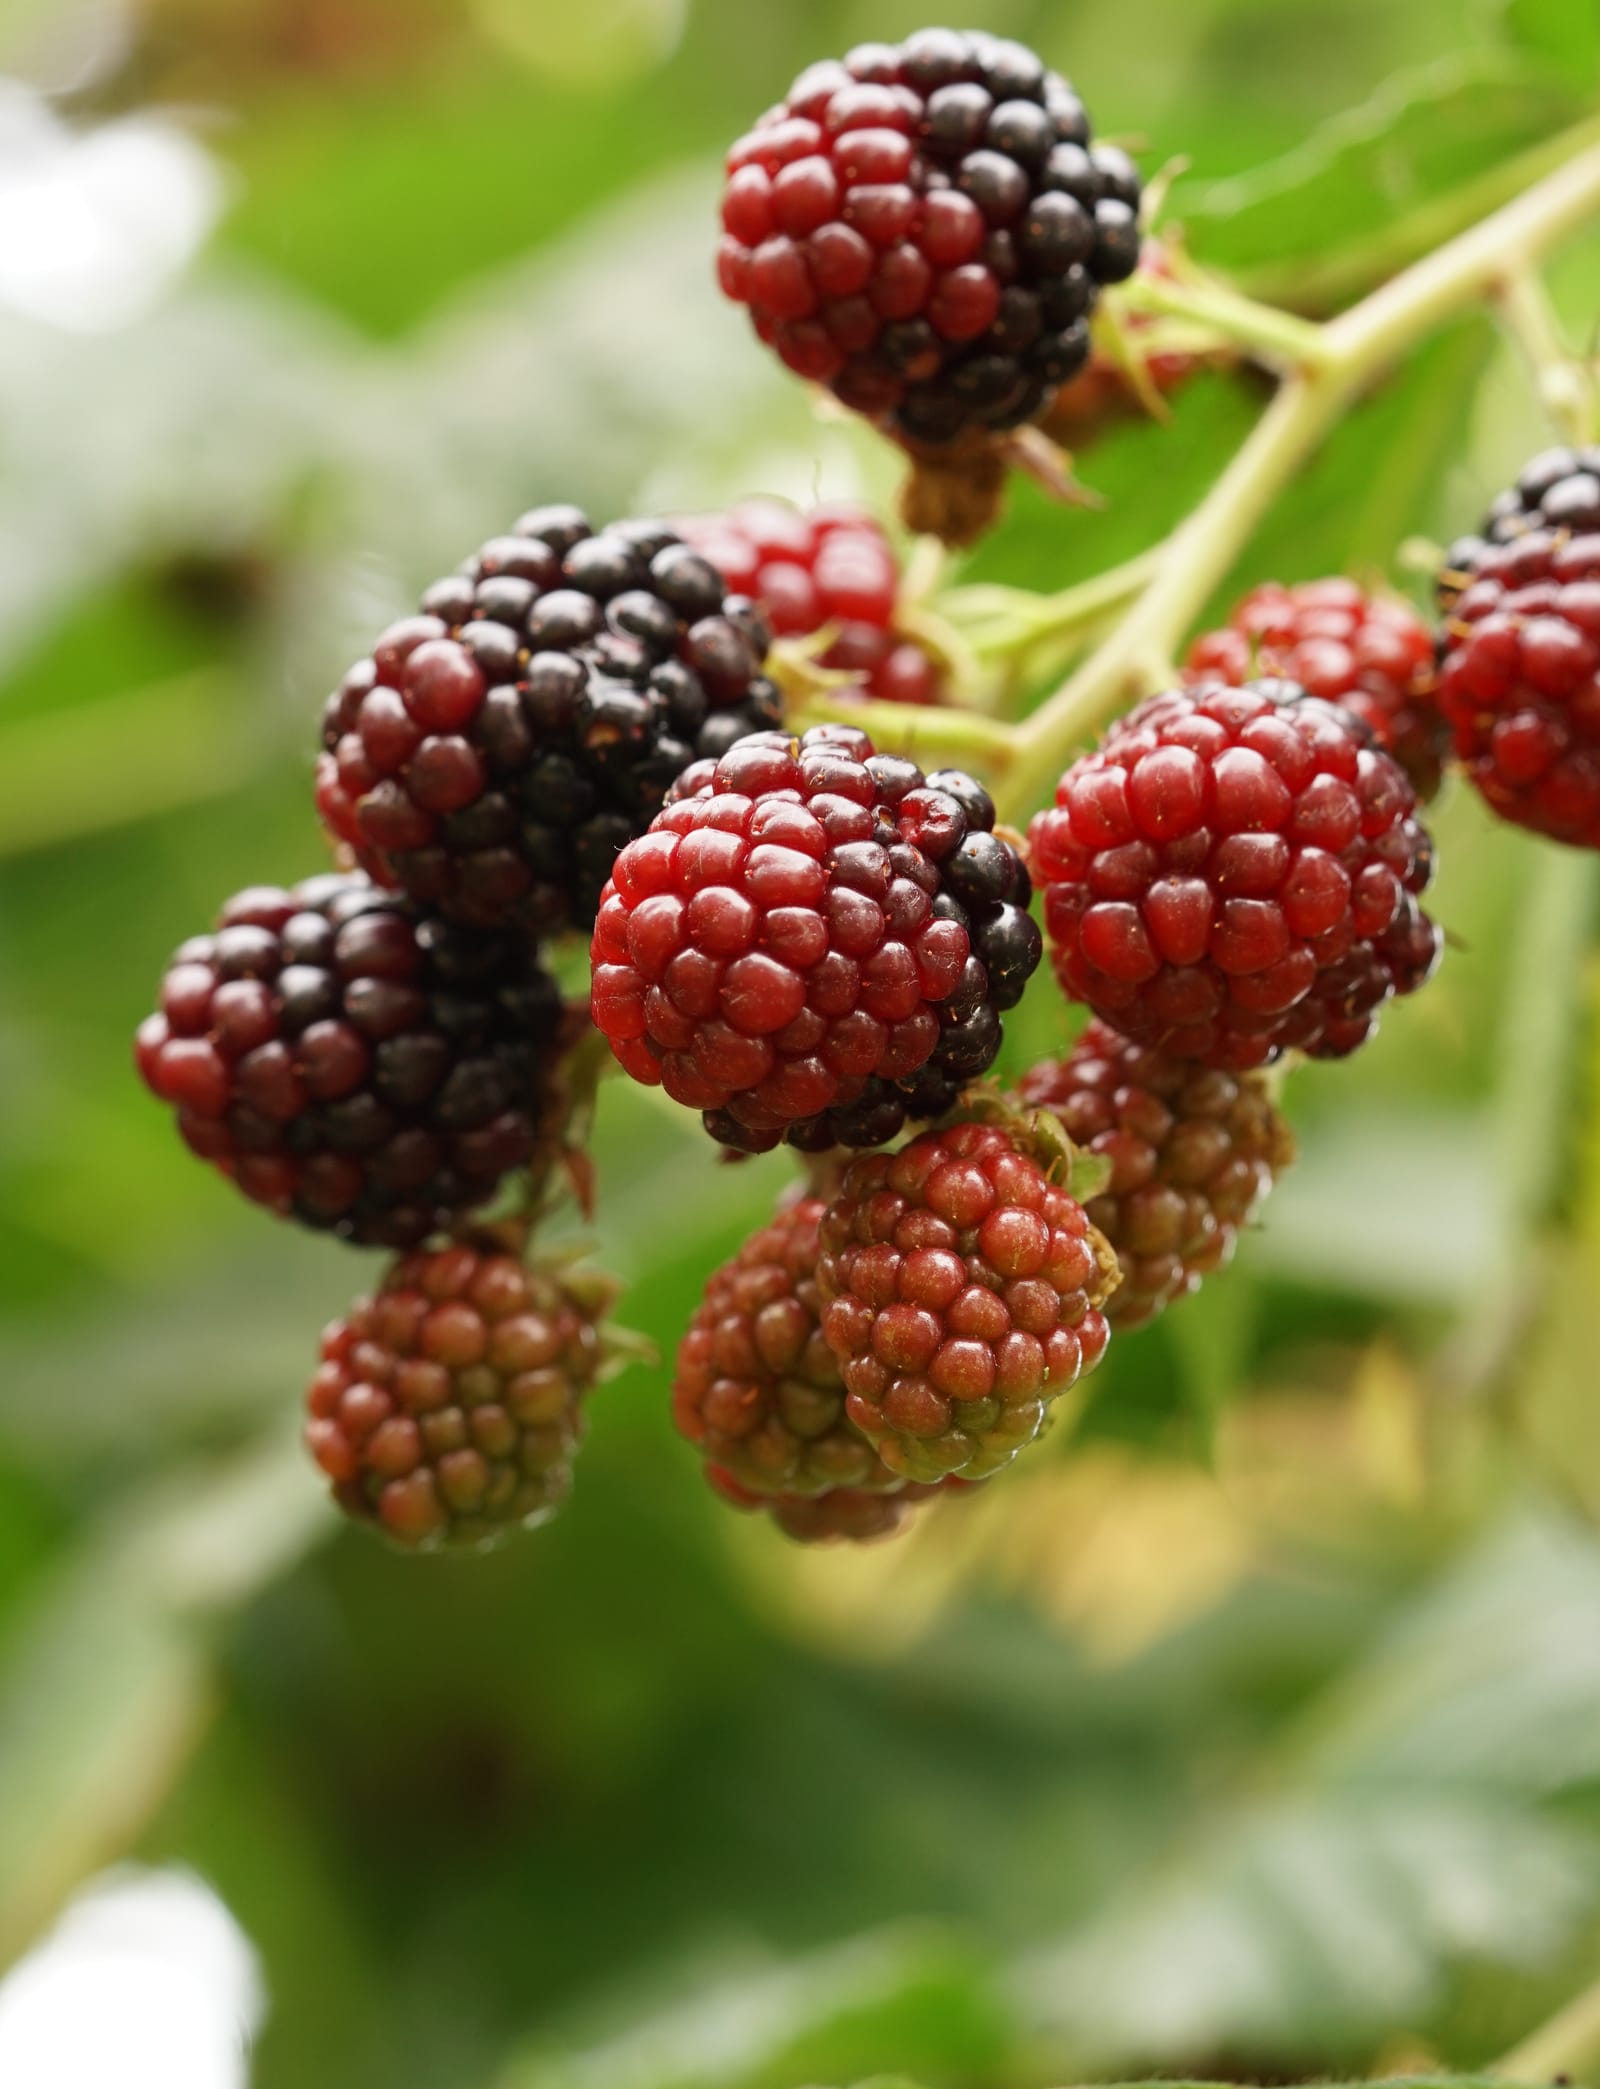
x=963, y=1293
x=1371, y=653
x=832, y=567
x=757, y=1390
x=814, y=941
x=447, y=1407
x=1520, y=683
x=925, y=228
x=1234, y=873
x=849, y=1515
x=1193, y=1151
x=493, y=753
x=353, y=1064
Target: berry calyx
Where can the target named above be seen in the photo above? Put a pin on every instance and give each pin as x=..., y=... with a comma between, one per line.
x=1520, y=681
x=352, y=1063
x=1371, y=653
x=831, y=567
x=1193, y=1151
x=448, y=1406
x=1234, y=873
x=814, y=942
x=964, y=1291
x=493, y=753
x=925, y=228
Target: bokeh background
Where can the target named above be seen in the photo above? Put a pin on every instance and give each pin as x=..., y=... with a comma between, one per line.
x=1255, y=1729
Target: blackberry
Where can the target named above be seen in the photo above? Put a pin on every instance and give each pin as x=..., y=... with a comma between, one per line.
x=447, y=1407
x=851, y=1515
x=814, y=942
x=1106, y=391
x=494, y=752
x=353, y=1063
x=1235, y=873
x=1520, y=681
x=1371, y=653
x=963, y=1292
x=1193, y=1152
x=834, y=567
x=925, y=229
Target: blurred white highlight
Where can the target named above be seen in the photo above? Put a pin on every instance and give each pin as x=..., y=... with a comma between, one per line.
x=96, y=224
x=146, y=1982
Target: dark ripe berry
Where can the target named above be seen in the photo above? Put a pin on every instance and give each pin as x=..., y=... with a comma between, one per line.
x=789, y=951
x=873, y=222
x=757, y=1390
x=1235, y=873
x=1520, y=680
x=496, y=751
x=962, y=1295
x=834, y=567
x=1103, y=391
x=354, y=1064
x=447, y=1407
x=841, y=1515
x=1193, y=1151
x=1371, y=653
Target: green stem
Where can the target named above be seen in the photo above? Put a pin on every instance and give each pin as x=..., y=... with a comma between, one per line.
x=1567, y=386
x=1002, y=621
x=1357, y=348
x=1278, y=336
x=979, y=742
x=1565, y=2048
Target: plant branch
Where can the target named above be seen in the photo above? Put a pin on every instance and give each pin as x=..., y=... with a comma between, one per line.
x=1265, y=330
x=1567, y=386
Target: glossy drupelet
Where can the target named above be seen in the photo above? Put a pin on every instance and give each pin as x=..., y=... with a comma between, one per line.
x=831, y=567
x=925, y=228
x=1193, y=1151
x=495, y=751
x=964, y=1291
x=353, y=1064
x=1235, y=873
x=814, y=942
x=1371, y=653
x=447, y=1407
x=1520, y=683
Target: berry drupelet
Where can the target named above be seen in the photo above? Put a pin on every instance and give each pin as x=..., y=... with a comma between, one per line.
x=1520, y=684
x=1234, y=873
x=1193, y=1151
x=848, y=1515
x=757, y=1389
x=963, y=1293
x=832, y=566
x=1371, y=653
x=448, y=1407
x=353, y=1064
x=494, y=752
x=1107, y=390
x=925, y=228
x=814, y=941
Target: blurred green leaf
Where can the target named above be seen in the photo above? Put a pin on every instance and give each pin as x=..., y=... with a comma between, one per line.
x=1565, y=32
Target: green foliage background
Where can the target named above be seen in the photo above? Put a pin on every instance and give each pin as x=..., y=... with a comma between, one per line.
x=1256, y=1729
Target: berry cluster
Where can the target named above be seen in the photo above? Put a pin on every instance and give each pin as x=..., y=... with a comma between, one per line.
x=925, y=229
x=1234, y=873
x=448, y=1406
x=492, y=754
x=1372, y=654
x=1193, y=1151
x=352, y=1063
x=830, y=569
x=1520, y=682
x=814, y=942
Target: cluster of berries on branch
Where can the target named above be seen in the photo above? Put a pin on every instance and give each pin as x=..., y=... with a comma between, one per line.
x=810, y=942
